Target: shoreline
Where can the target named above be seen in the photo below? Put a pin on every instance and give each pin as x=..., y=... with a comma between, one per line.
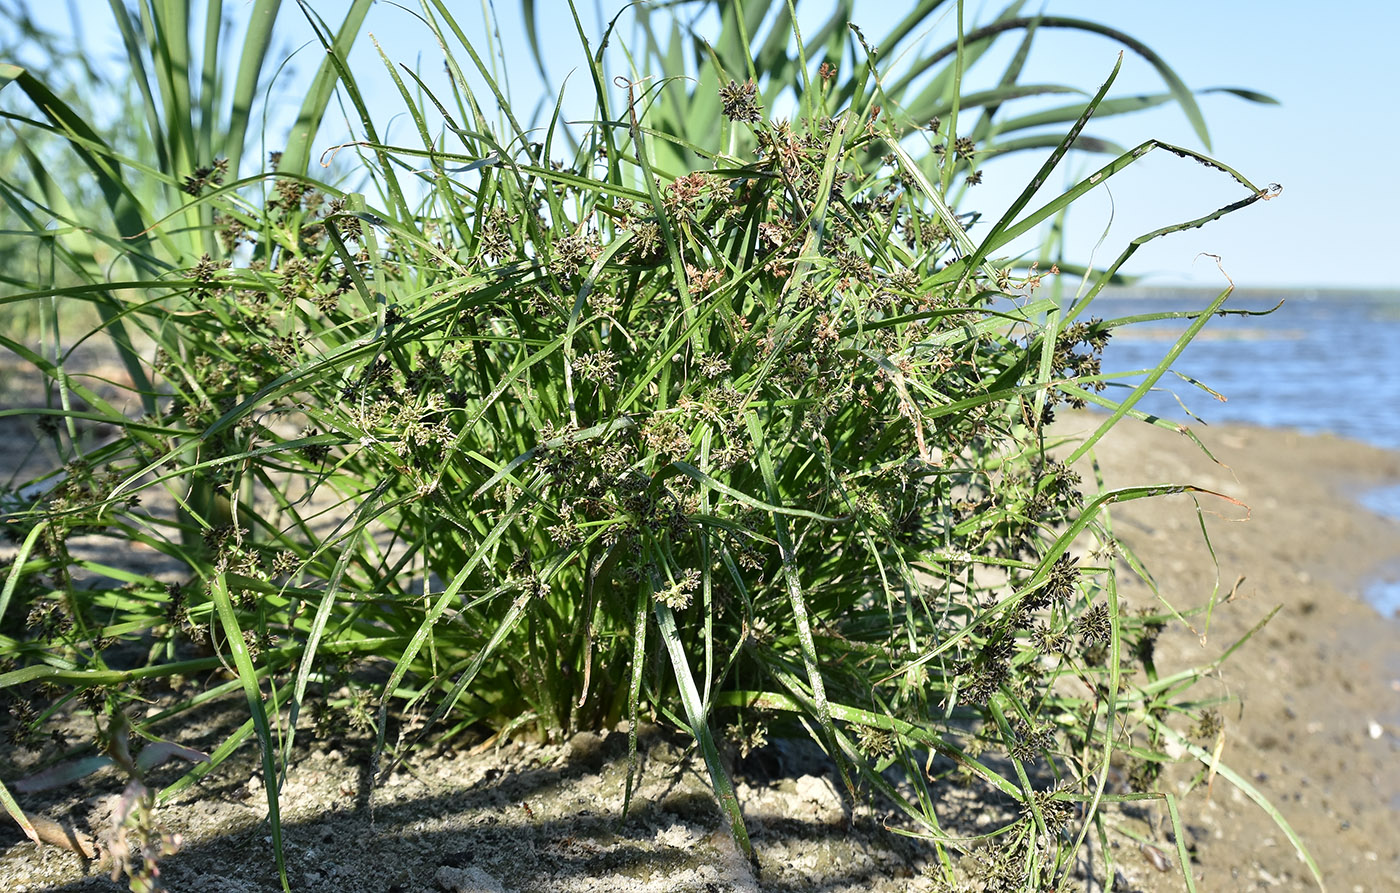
x=1315, y=723
x=1369, y=479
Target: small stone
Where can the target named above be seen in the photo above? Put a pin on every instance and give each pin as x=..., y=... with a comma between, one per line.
x=586, y=749
x=817, y=790
x=666, y=752
x=466, y=880
x=821, y=793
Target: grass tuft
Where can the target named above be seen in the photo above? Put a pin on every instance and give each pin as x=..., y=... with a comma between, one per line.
x=737, y=433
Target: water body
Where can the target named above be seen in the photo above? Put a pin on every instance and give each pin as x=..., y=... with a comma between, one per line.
x=1321, y=362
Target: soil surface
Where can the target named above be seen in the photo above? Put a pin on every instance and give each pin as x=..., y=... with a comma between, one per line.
x=1313, y=723
x=1316, y=722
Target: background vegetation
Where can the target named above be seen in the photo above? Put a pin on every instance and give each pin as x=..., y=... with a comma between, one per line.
x=698, y=411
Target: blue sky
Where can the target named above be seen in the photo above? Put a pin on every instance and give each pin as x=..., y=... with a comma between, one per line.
x=1329, y=143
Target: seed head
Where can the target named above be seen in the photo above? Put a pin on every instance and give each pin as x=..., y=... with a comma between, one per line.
x=677, y=595
x=1209, y=725
x=740, y=103
x=1095, y=625
x=875, y=742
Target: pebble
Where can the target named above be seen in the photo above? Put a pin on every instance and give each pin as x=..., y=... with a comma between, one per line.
x=666, y=752
x=466, y=880
x=818, y=790
x=586, y=749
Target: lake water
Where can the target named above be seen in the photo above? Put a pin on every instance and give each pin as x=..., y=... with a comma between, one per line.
x=1321, y=362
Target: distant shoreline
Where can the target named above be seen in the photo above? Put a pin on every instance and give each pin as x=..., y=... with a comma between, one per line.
x=1290, y=292
x=1166, y=333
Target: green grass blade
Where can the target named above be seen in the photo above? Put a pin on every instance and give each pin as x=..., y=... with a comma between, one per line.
x=17, y=566
x=1183, y=858
x=1151, y=379
x=131, y=43
x=1180, y=92
x=209, y=80
x=167, y=28
x=1245, y=788
x=792, y=579
x=1041, y=175
x=430, y=619
x=296, y=156
x=243, y=663
x=256, y=41
x=12, y=807
x=699, y=724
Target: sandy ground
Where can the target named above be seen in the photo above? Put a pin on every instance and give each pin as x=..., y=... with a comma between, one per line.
x=1314, y=723
x=1317, y=723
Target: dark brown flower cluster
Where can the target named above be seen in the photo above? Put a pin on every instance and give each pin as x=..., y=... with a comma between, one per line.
x=740, y=102
x=1072, y=362
x=203, y=177
x=1095, y=625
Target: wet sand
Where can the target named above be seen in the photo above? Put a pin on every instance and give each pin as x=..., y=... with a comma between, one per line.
x=1315, y=718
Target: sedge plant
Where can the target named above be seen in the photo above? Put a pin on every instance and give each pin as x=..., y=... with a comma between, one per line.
x=557, y=427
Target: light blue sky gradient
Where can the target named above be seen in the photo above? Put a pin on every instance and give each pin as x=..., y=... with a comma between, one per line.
x=1331, y=143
